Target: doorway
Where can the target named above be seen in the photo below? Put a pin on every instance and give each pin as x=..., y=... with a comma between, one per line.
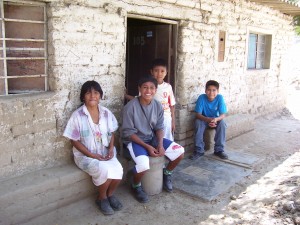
x=147, y=40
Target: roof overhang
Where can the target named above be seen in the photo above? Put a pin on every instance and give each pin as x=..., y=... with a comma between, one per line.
x=283, y=6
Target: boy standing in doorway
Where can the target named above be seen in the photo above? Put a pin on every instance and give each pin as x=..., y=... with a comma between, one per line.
x=142, y=133
x=164, y=94
x=210, y=111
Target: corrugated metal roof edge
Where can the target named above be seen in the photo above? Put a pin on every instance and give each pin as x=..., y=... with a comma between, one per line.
x=285, y=6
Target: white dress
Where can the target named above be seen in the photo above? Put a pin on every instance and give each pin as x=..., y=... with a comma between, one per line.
x=95, y=137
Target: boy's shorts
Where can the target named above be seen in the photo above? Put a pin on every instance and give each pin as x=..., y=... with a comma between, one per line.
x=141, y=156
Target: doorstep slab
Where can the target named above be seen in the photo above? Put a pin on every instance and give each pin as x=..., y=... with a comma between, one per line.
x=238, y=158
x=206, y=177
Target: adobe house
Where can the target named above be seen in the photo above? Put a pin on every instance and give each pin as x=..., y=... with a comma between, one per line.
x=50, y=48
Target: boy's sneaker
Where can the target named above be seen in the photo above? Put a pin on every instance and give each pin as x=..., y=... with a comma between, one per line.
x=140, y=195
x=115, y=203
x=105, y=207
x=222, y=155
x=196, y=155
x=167, y=182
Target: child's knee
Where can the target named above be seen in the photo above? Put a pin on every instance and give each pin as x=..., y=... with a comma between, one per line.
x=199, y=124
x=142, y=167
x=222, y=124
x=142, y=163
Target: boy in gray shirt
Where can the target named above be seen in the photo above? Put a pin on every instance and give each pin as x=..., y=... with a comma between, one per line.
x=143, y=131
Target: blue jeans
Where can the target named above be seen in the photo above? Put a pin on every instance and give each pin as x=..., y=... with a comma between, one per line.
x=220, y=136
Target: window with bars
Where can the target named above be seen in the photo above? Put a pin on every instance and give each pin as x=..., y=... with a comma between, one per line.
x=259, y=51
x=23, y=47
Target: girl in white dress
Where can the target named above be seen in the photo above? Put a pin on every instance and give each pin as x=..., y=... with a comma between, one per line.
x=90, y=130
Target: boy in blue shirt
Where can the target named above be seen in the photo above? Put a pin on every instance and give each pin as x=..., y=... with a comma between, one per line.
x=210, y=111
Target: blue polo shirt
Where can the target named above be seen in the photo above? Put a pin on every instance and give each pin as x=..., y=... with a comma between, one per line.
x=212, y=108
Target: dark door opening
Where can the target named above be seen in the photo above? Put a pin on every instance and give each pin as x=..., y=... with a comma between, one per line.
x=147, y=40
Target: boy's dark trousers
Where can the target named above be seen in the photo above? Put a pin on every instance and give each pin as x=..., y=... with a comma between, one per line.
x=220, y=136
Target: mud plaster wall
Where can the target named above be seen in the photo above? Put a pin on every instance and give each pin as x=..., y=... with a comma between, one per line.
x=87, y=40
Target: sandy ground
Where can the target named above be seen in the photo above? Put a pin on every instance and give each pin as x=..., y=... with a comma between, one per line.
x=273, y=199
x=270, y=195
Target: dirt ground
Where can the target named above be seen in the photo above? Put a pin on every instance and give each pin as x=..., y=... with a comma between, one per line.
x=270, y=195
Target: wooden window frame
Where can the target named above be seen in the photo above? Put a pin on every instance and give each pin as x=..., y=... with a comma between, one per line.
x=259, y=55
x=4, y=58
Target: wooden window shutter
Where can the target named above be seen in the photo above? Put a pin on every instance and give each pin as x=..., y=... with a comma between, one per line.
x=221, y=52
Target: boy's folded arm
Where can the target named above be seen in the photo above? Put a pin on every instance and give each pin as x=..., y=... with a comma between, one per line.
x=219, y=118
x=160, y=135
x=128, y=97
x=136, y=139
x=203, y=118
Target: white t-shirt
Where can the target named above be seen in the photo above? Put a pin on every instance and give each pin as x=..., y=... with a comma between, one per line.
x=166, y=97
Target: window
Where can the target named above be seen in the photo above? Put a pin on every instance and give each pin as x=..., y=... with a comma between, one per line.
x=259, y=51
x=23, y=47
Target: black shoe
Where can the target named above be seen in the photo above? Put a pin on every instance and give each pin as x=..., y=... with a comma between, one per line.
x=140, y=195
x=167, y=182
x=222, y=155
x=196, y=155
x=105, y=207
x=115, y=203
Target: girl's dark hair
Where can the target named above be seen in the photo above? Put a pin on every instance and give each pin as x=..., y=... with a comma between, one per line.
x=148, y=78
x=159, y=62
x=213, y=83
x=88, y=86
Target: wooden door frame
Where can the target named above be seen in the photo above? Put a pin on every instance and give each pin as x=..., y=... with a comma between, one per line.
x=174, y=38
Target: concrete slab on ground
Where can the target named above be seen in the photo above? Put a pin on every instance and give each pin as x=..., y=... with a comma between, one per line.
x=208, y=177
x=237, y=158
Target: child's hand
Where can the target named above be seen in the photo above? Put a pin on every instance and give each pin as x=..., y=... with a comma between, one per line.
x=208, y=119
x=152, y=151
x=213, y=123
x=161, y=151
x=110, y=154
x=99, y=157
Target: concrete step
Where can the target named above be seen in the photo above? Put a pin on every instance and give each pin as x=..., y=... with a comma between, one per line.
x=86, y=212
x=81, y=212
x=69, y=214
x=40, y=192
x=239, y=124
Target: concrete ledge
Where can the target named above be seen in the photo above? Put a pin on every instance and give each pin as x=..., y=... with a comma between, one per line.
x=237, y=125
x=28, y=196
